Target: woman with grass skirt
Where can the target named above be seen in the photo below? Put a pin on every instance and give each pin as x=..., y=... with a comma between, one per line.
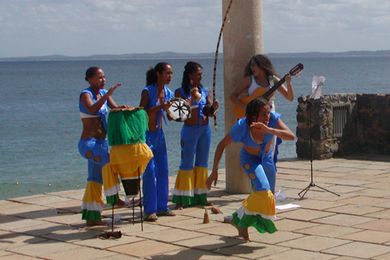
x=190, y=187
x=255, y=131
x=155, y=99
x=94, y=102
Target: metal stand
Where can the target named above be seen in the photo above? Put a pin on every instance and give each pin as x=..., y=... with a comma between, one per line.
x=140, y=201
x=112, y=233
x=133, y=201
x=312, y=184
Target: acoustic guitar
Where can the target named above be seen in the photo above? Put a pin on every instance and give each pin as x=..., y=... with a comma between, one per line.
x=265, y=92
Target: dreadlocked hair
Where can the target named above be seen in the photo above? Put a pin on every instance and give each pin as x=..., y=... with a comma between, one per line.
x=253, y=109
x=189, y=68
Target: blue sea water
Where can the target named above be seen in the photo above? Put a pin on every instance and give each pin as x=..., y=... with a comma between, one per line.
x=40, y=124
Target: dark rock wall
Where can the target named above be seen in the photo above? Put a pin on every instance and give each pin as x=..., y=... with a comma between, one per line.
x=365, y=119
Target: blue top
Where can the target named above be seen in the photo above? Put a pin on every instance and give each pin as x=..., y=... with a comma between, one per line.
x=153, y=100
x=103, y=111
x=240, y=131
x=201, y=103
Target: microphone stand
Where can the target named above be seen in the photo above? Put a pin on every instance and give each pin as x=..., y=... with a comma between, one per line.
x=312, y=184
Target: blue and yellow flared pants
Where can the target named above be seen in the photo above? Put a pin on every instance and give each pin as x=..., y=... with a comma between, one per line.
x=96, y=152
x=258, y=210
x=190, y=187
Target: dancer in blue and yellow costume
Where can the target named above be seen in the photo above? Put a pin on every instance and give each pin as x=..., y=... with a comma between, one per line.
x=94, y=103
x=155, y=99
x=259, y=77
x=255, y=131
x=190, y=187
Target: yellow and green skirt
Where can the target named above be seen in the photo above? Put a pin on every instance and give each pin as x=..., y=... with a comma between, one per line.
x=258, y=211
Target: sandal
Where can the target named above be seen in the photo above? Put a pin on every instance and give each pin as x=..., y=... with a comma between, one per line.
x=167, y=213
x=151, y=217
x=179, y=207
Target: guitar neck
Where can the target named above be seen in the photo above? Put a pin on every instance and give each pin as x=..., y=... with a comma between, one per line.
x=269, y=92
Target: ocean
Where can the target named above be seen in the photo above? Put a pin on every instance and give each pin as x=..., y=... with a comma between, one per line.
x=40, y=124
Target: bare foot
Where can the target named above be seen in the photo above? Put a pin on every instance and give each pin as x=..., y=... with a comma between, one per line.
x=92, y=223
x=242, y=233
x=179, y=207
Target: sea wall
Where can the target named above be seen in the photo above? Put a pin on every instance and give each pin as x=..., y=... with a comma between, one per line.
x=343, y=124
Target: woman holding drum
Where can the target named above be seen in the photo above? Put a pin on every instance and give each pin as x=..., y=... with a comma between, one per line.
x=190, y=187
x=155, y=99
x=94, y=102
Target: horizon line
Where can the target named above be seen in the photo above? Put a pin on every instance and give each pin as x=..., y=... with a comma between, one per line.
x=189, y=53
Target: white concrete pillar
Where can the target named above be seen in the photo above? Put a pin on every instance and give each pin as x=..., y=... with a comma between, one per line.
x=242, y=38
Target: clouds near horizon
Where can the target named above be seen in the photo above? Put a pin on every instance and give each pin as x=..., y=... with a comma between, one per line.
x=86, y=27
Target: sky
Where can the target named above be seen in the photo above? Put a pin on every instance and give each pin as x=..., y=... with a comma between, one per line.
x=88, y=27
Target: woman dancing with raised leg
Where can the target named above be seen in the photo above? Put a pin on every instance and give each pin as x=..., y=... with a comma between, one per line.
x=255, y=131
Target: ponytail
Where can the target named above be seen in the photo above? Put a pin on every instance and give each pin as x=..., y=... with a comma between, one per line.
x=151, y=74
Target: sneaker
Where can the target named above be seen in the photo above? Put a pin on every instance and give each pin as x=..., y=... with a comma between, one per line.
x=151, y=217
x=167, y=213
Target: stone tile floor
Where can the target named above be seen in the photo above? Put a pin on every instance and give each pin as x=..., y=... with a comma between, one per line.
x=354, y=225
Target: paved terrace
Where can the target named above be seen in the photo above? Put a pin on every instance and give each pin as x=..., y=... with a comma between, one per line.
x=352, y=226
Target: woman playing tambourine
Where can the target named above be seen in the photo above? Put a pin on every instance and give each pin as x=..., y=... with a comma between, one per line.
x=190, y=187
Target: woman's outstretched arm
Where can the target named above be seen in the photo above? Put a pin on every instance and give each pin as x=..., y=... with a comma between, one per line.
x=217, y=157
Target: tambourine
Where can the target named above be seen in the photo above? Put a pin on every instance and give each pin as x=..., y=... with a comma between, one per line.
x=179, y=110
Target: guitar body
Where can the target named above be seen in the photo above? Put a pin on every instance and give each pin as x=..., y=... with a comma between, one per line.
x=266, y=93
x=239, y=111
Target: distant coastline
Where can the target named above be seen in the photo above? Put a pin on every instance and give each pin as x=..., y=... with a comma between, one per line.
x=176, y=55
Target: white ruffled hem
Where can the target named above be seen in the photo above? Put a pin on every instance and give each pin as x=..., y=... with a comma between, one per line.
x=92, y=206
x=242, y=211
